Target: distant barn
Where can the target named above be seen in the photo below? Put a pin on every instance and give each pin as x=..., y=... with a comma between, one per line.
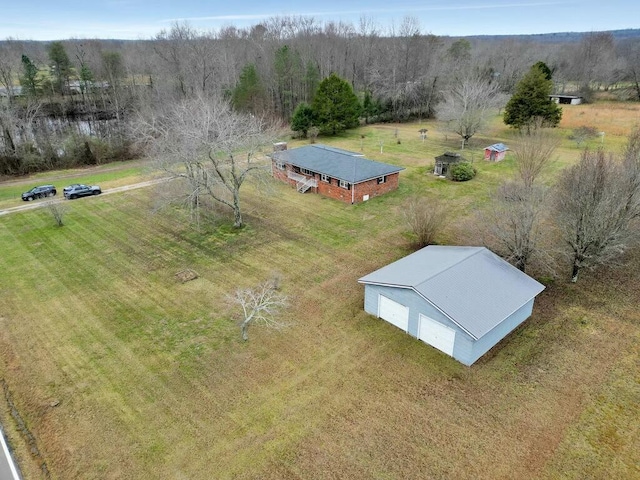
x=566, y=99
x=14, y=92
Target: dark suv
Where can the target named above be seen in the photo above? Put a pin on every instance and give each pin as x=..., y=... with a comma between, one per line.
x=78, y=190
x=39, y=192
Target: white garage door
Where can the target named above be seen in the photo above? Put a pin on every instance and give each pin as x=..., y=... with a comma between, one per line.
x=436, y=334
x=393, y=312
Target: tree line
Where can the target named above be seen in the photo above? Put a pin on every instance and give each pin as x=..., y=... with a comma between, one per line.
x=197, y=99
x=270, y=69
x=273, y=66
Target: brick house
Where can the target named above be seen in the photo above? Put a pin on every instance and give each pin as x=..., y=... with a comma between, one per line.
x=333, y=172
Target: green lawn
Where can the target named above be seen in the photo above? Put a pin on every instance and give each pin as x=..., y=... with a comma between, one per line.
x=121, y=371
x=110, y=175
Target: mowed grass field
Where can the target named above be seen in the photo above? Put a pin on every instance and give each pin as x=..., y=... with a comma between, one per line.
x=118, y=370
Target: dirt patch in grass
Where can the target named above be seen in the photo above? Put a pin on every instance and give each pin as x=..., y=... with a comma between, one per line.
x=186, y=275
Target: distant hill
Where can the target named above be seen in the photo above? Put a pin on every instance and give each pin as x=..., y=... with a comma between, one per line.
x=561, y=37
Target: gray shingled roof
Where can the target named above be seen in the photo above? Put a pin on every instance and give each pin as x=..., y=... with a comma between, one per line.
x=472, y=286
x=344, y=165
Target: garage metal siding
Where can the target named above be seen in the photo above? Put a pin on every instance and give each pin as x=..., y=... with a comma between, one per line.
x=404, y=296
x=370, y=300
x=465, y=350
x=484, y=344
x=463, y=347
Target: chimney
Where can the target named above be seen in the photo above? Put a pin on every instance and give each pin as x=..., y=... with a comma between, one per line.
x=280, y=146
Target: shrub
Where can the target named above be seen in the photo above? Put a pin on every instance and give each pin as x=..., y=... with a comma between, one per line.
x=586, y=93
x=302, y=119
x=313, y=134
x=426, y=218
x=78, y=151
x=461, y=172
x=582, y=134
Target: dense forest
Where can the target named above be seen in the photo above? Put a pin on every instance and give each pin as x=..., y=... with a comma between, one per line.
x=73, y=102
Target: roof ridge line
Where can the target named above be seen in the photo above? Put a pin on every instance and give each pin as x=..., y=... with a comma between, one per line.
x=338, y=150
x=444, y=312
x=453, y=265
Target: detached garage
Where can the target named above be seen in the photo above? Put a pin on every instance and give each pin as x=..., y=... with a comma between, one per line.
x=460, y=300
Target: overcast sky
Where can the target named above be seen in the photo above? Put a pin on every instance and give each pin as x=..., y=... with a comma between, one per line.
x=133, y=19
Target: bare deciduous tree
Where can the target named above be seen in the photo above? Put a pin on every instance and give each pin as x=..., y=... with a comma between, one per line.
x=583, y=134
x=211, y=146
x=57, y=210
x=595, y=61
x=426, y=218
x=533, y=153
x=597, y=205
x=514, y=222
x=630, y=50
x=18, y=132
x=467, y=105
x=9, y=66
x=260, y=305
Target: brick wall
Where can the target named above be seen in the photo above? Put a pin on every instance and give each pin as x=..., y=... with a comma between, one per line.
x=281, y=174
x=373, y=188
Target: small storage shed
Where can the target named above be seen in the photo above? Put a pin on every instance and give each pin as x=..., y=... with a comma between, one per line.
x=495, y=152
x=460, y=300
x=444, y=161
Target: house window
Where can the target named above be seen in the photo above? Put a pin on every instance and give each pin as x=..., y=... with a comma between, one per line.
x=344, y=184
x=279, y=164
x=306, y=171
x=325, y=178
x=382, y=179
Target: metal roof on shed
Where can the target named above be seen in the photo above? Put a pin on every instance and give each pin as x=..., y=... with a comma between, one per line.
x=498, y=147
x=344, y=165
x=474, y=287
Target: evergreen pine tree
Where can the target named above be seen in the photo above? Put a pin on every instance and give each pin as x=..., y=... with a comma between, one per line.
x=531, y=100
x=302, y=118
x=60, y=65
x=335, y=106
x=248, y=95
x=29, y=79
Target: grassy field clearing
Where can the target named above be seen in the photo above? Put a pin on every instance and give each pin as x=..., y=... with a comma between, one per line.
x=121, y=371
x=108, y=176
